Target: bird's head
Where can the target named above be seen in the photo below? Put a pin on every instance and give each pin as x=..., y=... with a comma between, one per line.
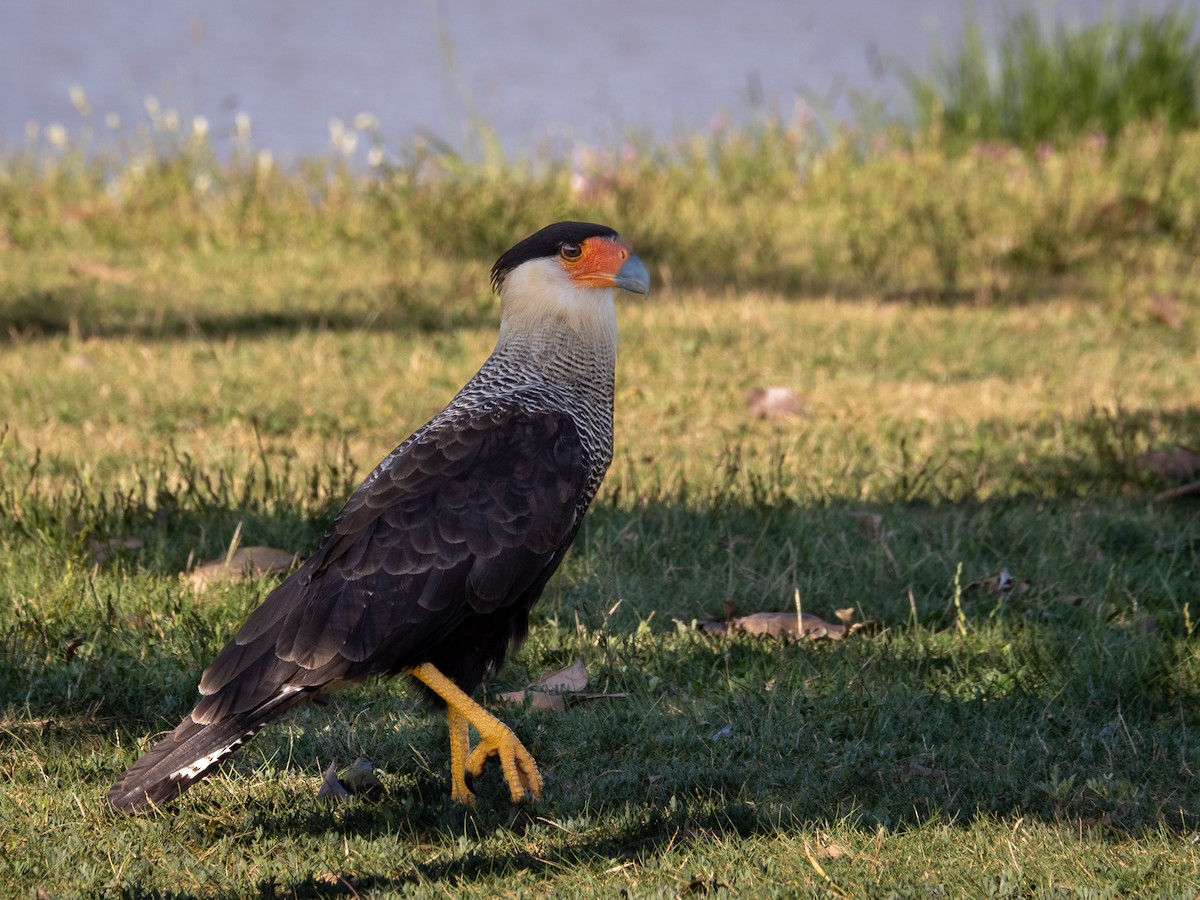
x=566, y=273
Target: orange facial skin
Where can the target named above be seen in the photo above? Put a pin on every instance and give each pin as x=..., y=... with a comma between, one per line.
x=599, y=261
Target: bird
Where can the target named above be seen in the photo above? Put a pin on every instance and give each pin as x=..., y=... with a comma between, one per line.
x=433, y=565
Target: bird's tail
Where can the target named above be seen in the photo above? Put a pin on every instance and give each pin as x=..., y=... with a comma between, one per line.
x=192, y=751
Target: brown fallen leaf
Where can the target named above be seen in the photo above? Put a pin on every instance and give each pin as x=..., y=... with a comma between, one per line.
x=331, y=787
x=98, y=271
x=785, y=625
x=1164, y=308
x=572, y=679
x=915, y=768
x=1175, y=464
x=551, y=690
x=1003, y=583
x=831, y=851
x=788, y=625
x=869, y=524
x=1185, y=490
x=774, y=402
x=360, y=777
x=537, y=700
x=246, y=562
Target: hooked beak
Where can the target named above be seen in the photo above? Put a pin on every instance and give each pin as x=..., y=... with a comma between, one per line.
x=633, y=276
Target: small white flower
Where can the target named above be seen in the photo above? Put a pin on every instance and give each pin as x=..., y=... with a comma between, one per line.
x=241, y=126
x=171, y=121
x=375, y=156
x=264, y=163
x=199, y=128
x=337, y=131
x=349, y=143
x=366, y=121
x=79, y=100
x=113, y=121
x=56, y=135
x=152, y=107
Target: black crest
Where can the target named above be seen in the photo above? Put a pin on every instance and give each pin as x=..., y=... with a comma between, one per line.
x=546, y=242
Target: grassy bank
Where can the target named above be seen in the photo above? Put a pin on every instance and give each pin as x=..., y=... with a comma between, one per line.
x=774, y=208
x=983, y=347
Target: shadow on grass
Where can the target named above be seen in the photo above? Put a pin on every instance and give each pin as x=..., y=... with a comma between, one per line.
x=968, y=706
x=82, y=309
x=77, y=310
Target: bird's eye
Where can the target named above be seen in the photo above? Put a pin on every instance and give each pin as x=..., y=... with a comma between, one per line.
x=570, y=251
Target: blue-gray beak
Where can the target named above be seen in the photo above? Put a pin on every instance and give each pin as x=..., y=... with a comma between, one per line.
x=633, y=276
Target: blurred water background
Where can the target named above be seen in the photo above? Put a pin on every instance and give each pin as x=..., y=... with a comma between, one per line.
x=534, y=76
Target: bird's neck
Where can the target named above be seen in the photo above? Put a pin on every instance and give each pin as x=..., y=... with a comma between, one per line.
x=559, y=354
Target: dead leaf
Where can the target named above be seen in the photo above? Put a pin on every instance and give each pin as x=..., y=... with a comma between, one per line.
x=246, y=562
x=1164, y=308
x=98, y=271
x=915, y=768
x=331, y=788
x=551, y=690
x=869, y=524
x=360, y=777
x=774, y=402
x=787, y=625
x=1186, y=490
x=537, y=700
x=1004, y=584
x=831, y=851
x=1175, y=464
x=572, y=679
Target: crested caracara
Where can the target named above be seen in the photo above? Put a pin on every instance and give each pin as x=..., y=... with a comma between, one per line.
x=435, y=561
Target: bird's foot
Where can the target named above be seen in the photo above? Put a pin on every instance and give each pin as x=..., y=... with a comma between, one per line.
x=520, y=771
x=495, y=739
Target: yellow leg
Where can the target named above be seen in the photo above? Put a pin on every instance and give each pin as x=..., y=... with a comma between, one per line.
x=460, y=748
x=495, y=739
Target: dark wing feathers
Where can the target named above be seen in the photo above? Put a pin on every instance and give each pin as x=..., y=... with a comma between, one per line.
x=464, y=518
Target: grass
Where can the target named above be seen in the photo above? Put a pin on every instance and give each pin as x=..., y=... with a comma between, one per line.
x=1040, y=86
x=193, y=348
x=1038, y=742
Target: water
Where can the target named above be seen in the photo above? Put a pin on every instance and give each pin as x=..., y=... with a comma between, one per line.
x=541, y=74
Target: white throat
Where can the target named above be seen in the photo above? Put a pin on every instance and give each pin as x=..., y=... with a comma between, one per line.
x=546, y=313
